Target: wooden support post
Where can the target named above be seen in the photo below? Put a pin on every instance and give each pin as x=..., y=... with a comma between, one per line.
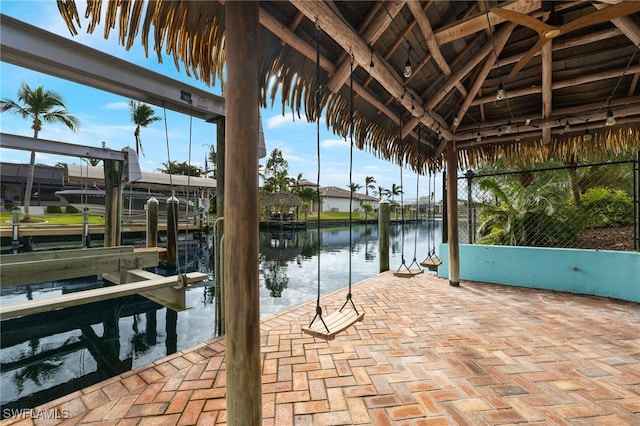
x=384, y=218
x=219, y=230
x=152, y=222
x=241, y=275
x=452, y=213
x=112, y=202
x=172, y=230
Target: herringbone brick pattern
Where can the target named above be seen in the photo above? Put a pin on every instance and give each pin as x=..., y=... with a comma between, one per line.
x=426, y=354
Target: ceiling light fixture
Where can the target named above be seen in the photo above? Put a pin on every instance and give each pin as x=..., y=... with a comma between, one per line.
x=500, y=95
x=611, y=120
x=456, y=120
x=508, y=128
x=567, y=126
x=478, y=137
x=407, y=68
x=587, y=136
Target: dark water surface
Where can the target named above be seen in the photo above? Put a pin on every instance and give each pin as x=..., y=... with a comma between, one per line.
x=45, y=356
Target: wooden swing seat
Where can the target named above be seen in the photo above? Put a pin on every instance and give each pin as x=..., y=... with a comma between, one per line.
x=337, y=322
x=408, y=273
x=431, y=262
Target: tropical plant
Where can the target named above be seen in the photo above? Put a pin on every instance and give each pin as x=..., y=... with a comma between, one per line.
x=308, y=196
x=38, y=105
x=275, y=174
x=394, y=191
x=381, y=192
x=142, y=115
x=353, y=187
x=184, y=168
x=607, y=207
x=533, y=215
x=369, y=182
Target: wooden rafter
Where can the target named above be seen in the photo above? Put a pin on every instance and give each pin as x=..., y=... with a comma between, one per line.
x=371, y=35
x=348, y=39
x=477, y=86
x=432, y=44
x=482, y=53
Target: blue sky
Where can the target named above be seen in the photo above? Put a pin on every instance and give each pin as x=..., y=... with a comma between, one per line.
x=105, y=117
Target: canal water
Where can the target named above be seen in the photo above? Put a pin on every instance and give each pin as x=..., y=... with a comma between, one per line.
x=46, y=356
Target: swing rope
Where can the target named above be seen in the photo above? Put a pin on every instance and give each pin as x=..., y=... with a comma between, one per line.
x=317, y=112
x=415, y=235
x=432, y=261
x=339, y=320
x=404, y=270
x=349, y=299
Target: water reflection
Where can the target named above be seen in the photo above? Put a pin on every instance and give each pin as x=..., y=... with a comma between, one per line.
x=49, y=355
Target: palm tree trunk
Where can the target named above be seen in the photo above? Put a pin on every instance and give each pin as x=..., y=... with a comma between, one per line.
x=27, y=191
x=575, y=186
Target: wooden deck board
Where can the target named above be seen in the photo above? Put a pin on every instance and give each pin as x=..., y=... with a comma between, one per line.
x=93, y=295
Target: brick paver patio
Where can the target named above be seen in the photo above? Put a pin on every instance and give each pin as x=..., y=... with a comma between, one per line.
x=426, y=354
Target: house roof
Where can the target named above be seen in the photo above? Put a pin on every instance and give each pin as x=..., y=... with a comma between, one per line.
x=335, y=192
x=563, y=65
x=161, y=181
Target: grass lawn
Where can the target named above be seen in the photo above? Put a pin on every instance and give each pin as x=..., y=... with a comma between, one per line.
x=76, y=218
x=54, y=219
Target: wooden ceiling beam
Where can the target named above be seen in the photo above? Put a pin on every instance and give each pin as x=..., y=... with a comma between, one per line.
x=432, y=44
x=624, y=24
x=372, y=34
x=477, y=85
x=288, y=37
x=477, y=23
x=576, y=81
x=385, y=74
x=501, y=36
x=569, y=43
x=627, y=108
x=547, y=81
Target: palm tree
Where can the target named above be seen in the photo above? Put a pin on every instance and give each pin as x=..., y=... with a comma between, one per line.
x=141, y=115
x=353, y=187
x=381, y=192
x=395, y=190
x=369, y=184
x=39, y=105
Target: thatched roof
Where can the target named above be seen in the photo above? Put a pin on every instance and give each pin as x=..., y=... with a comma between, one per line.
x=461, y=52
x=282, y=199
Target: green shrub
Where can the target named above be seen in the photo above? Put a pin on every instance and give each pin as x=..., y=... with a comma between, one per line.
x=54, y=209
x=72, y=210
x=607, y=208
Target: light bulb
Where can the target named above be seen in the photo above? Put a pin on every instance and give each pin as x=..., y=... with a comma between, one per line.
x=611, y=120
x=456, y=121
x=587, y=136
x=508, y=129
x=407, y=69
x=567, y=126
x=500, y=94
x=478, y=137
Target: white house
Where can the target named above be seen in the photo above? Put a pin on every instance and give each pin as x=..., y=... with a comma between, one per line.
x=336, y=199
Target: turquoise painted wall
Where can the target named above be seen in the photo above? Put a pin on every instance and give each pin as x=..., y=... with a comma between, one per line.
x=605, y=273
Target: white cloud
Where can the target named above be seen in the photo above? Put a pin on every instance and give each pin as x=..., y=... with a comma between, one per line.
x=330, y=143
x=117, y=105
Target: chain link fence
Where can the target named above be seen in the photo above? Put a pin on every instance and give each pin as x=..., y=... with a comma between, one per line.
x=592, y=206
